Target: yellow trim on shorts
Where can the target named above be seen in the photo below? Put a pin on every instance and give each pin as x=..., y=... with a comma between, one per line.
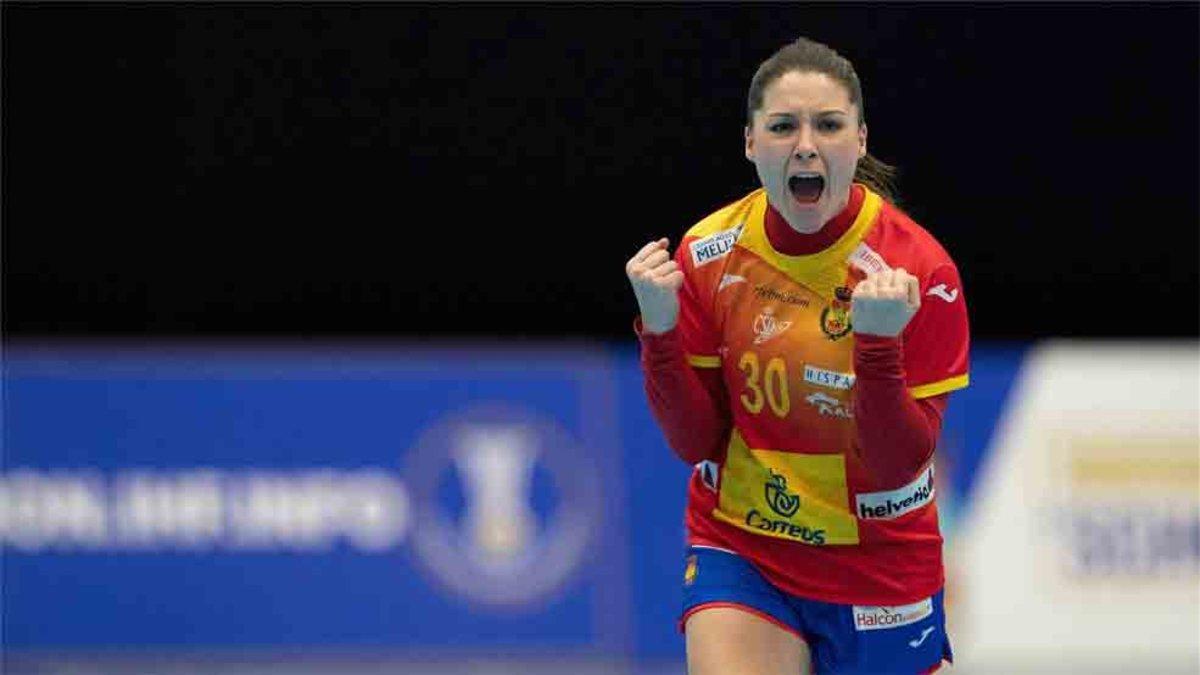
x=935, y=388
x=704, y=361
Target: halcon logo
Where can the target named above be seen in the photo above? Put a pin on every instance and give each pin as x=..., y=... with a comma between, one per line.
x=895, y=503
x=715, y=246
x=766, y=326
x=877, y=618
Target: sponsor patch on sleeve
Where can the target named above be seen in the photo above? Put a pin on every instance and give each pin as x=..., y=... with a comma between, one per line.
x=868, y=260
x=895, y=503
x=714, y=246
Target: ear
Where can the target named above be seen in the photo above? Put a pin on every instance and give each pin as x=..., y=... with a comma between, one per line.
x=862, y=141
x=749, y=144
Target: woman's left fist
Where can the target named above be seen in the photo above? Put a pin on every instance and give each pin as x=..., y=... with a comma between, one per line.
x=884, y=302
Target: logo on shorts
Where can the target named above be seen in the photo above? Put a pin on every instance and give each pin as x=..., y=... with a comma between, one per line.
x=878, y=618
x=690, y=571
x=835, y=318
x=924, y=634
x=778, y=498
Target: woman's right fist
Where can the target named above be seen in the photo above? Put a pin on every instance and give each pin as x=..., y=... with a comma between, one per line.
x=656, y=280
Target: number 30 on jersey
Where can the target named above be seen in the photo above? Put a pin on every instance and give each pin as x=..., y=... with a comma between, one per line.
x=765, y=386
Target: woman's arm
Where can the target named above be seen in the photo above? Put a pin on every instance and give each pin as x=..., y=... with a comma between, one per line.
x=690, y=404
x=896, y=433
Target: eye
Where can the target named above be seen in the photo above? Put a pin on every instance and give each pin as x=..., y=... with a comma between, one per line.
x=829, y=125
x=781, y=126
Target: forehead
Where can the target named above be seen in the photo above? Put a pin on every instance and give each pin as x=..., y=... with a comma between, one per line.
x=797, y=91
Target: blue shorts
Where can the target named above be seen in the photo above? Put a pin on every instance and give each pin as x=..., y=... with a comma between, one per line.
x=841, y=638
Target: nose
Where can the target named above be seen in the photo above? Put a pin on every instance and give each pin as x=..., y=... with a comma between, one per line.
x=805, y=148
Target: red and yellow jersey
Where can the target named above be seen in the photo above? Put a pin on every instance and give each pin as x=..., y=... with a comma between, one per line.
x=789, y=492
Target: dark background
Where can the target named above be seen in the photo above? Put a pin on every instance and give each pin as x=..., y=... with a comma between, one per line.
x=462, y=170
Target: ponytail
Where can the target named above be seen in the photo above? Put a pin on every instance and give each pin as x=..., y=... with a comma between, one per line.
x=879, y=176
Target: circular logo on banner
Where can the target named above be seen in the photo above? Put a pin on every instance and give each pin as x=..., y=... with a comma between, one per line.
x=505, y=503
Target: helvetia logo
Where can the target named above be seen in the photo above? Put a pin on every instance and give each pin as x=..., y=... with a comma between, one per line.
x=895, y=503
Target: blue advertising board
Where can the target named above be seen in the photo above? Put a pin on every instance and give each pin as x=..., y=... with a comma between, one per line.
x=410, y=498
x=457, y=500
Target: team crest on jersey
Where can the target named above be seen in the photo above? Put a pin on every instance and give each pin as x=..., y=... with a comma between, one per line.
x=835, y=318
x=715, y=246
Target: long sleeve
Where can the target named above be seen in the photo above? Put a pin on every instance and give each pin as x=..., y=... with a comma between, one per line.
x=689, y=403
x=896, y=432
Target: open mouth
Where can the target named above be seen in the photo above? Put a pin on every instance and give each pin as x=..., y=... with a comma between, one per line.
x=806, y=188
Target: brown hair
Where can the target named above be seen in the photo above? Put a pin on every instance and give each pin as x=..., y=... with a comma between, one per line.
x=806, y=55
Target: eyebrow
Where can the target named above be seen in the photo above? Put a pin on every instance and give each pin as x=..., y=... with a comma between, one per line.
x=820, y=113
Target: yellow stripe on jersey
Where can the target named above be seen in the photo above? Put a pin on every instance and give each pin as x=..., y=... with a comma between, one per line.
x=823, y=271
x=940, y=387
x=727, y=217
x=704, y=361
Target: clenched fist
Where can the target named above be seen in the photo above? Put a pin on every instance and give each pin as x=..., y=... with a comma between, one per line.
x=656, y=280
x=884, y=302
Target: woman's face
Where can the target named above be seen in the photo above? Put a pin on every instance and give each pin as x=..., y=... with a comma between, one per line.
x=805, y=143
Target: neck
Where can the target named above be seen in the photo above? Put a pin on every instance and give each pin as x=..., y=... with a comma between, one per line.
x=789, y=241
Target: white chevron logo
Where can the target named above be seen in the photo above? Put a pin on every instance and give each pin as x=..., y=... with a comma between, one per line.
x=924, y=634
x=729, y=280
x=941, y=292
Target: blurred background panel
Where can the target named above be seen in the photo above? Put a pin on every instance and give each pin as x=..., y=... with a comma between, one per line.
x=480, y=171
x=318, y=356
